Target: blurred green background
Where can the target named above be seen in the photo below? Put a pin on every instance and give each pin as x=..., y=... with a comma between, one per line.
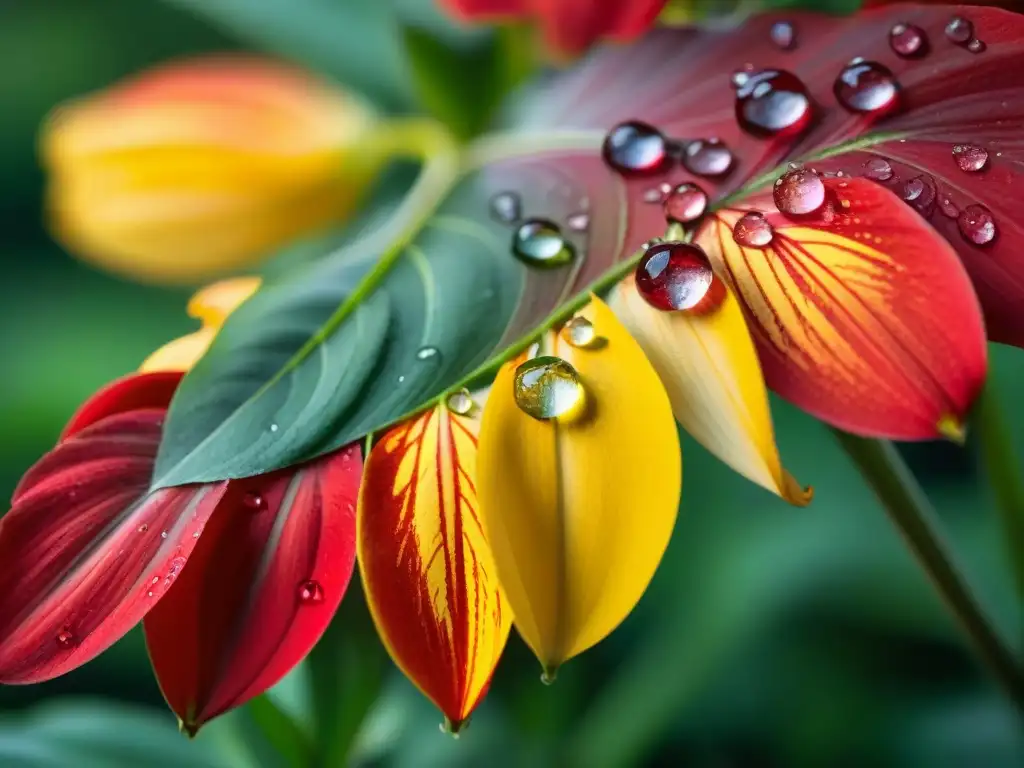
x=771, y=636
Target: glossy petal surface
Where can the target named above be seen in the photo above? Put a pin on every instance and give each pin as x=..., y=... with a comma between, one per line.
x=136, y=391
x=429, y=574
x=865, y=318
x=579, y=509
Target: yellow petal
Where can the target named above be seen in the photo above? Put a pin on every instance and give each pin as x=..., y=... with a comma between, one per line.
x=215, y=302
x=708, y=364
x=180, y=354
x=579, y=509
x=429, y=576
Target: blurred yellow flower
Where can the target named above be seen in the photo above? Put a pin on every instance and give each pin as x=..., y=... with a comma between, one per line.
x=199, y=168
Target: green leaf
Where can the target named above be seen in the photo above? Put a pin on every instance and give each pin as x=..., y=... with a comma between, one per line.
x=281, y=731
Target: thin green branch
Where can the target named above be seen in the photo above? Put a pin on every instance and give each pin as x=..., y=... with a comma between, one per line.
x=913, y=516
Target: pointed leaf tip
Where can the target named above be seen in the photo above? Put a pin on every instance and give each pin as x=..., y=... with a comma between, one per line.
x=429, y=574
x=579, y=510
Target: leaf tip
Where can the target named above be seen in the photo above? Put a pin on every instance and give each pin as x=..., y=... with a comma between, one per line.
x=952, y=428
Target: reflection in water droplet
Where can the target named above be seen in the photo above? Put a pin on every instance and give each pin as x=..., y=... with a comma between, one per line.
x=977, y=225
x=878, y=169
x=65, y=639
x=959, y=30
x=970, y=158
x=783, y=34
x=427, y=353
x=919, y=192
x=460, y=403
x=506, y=207
x=740, y=77
x=977, y=46
x=908, y=40
x=578, y=222
x=310, y=592
x=547, y=387
x=674, y=276
x=539, y=243
x=634, y=148
x=707, y=157
x=867, y=87
x=753, y=231
x=685, y=204
x=773, y=103
x=799, y=193
x=163, y=534
x=948, y=207
x=254, y=500
x=580, y=332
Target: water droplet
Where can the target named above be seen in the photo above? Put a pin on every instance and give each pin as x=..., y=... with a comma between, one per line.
x=539, y=242
x=657, y=194
x=707, y=157
x=427, y=353
x=674, y=276
x=867, y=87
x=959, y=30
x=460, y=403
x=970, y=158
x=578, y=222
x=948, y=207
x=740, y=77
x=580, y=332
x=908, y=40
x=686, y=203
x=196, y=535
x=799, y=193
x=773, y=103
x=506, y=207
x=254, y=500
x=753, y=231
x=878, y=169
x=143, y=528
x=547, y=387
x=783, y=34
x=977, y=225
x=635, y=148
x=310, y=592
x=977, y=46
x=163, y=534
x=401, y=379
x=65, y=638
x=919, y=192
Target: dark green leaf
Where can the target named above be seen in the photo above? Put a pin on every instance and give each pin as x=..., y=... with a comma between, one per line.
x=283, y=733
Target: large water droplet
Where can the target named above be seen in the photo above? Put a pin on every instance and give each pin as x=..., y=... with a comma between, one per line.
x=707, y=157
x=310, y=592
x=547, y=387
x=635, y=148
x=65, y=638
x=506, y=207
x=977, y=46
x=908, y=41
x=753, y=230
x=799, y=193
x=254, y=500
x=773, y=103
x=428, y=353
x=460, y=403
x=970, y=158
x=977, y=225
x=686, y=203
x=580, y=332
x=959, y=30
x=878, y=169
x=539, y=242
x=919, y=192
x=867, y=87
x=783, y=34
x=674, y=276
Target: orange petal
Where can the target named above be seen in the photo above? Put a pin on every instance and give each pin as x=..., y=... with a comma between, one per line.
x=428, y=571
x=862, y=315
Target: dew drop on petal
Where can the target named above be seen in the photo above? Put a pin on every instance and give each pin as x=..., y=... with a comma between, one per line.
x=878, y=169
x=578, y=222
x=460, y=403
x=539, y=242
x=506, y=207
x=783, y=34
x=310, y=592
x=65, y=638
x=977, y=46
x=653, y=195
x=959, y=30
x=773, y=103
x=908, y=40
x=674, y=276
x=685, y=204
x=580, y=332
x=547, y=387
x=254, y=500
x=163, y=534
x=753, y=231
x=427, y=353
x=919, y=192
x=707, y=157
x=867, y=87
x=970, y=158
x=143, y=528
x=799, y=193
x=977, y=225
x=634, y=148
x=948, y=207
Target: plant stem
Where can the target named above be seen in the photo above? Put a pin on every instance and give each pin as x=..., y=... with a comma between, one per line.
x=1003, y=468
x=913, y=516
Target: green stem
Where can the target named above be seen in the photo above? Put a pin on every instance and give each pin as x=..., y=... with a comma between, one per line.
x=1003, y=467
x=910, y=512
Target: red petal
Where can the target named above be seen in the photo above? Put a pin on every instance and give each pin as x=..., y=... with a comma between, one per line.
x=139, y=390
x=236, y=622
x=486, y=10
x=867, y=321
x=86, y=550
